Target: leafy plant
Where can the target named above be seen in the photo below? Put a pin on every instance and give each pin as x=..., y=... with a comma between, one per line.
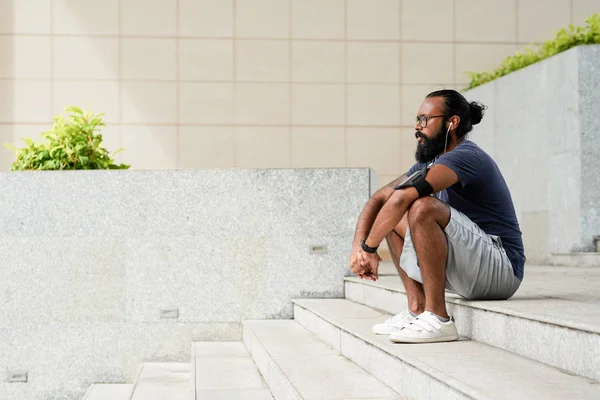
x=71, y=144
x=564, y=40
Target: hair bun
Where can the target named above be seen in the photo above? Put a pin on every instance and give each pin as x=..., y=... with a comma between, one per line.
x=476, y=112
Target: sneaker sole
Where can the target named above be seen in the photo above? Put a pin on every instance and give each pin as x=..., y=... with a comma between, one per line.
x=452, y=338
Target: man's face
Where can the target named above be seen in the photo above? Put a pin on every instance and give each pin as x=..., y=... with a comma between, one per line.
x=431, y=139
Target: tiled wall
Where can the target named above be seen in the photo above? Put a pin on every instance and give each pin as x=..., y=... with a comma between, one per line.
x=255, y=83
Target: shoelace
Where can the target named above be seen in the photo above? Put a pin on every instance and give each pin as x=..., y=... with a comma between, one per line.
x=427, y=323
x=395, y=318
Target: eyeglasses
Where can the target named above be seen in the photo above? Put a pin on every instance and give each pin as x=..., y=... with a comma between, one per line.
x=423, y=119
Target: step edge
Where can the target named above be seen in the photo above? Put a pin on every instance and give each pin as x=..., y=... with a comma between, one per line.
x=519, y=314
x=438, y=375
x=272, y=363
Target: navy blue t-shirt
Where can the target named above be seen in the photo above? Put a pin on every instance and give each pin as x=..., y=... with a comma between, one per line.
x=482, y=195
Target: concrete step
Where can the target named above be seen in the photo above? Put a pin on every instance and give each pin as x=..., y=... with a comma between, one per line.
x=297, y=365
x=225, y=370
x=159, y=381
x=455, y=370
x=577, y=259
x=558, y=305
x=112, y=391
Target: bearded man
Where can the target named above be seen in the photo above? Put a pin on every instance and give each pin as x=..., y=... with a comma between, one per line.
x=449, y=222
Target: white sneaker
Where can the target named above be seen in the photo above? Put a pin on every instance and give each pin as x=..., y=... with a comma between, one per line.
x=393, y=324
x=426, y=328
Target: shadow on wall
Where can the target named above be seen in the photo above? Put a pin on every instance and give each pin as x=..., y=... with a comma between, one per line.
x=6, y=86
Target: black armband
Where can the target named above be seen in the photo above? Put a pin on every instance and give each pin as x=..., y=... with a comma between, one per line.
x=418, y=181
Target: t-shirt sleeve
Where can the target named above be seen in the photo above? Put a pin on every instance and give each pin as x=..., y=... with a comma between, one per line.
x=465, y=161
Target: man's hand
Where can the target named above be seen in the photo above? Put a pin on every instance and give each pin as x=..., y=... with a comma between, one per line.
x=355, y=261
x=370, y=263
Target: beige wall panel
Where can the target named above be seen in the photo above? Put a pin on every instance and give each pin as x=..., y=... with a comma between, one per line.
x=207, y=18
x=318, y=147
x=80, y=57
x=206, y=147
x=480, y=58
x=99, y=97
x=149, y=102
x=262, y=147
x=149, y=147
x=149, y=17
x=25, y=101
x=148, y=59
x=549, y=17
x=314, y=104
x=318, y=61
x=427, y=63
x=582, y=9
x=486, y=20
x=25, y=16
x=373, y=105
x=85, y=17
x=25, y=57
x=206, y=59
x=262, y=103
x=318, y=19
x=205, y=103
x=439, y=15
x=373, y=62
x=262, y=60
x=368, y=19
x=262, y=18
x=377, y=148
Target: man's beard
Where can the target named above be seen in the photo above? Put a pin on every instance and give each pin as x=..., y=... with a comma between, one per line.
x=430, y=148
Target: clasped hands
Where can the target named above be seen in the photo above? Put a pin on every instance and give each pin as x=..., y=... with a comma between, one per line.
x=364, y=265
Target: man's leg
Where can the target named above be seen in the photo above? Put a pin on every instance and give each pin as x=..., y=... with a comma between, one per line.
x=427, y=218
x=414, y=289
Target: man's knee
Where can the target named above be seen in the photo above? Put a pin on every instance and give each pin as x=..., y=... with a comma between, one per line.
x=422, y=208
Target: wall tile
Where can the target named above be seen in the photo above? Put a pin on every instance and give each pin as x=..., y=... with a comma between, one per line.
x=149, y=102
x=262, y=60
x=373, y=105
x=486, y=21
x=86, y=58
x=373, y=62
x=86, y=17
x=206, y=103
x=25, y=101
x=420, y=23
x=427, y=63
x=318, y=104
x=149, y=17
x=480, y=58
x=549, y=18
x=367, y=19
x=99, y=97
x=377, y=148
x=262, y=147
x=150, y=147
x=318, y=61
x=206, y=59
x=262, y=103
x=207, y=18
x=317, y=19
x=149, y=59
x=318, y=147
x=262, y=18
x=24, y=57
x=25, y=16
x=582, y=9
x=206, y=147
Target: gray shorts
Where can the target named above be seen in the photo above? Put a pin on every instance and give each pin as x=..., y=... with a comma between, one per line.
x=477, y=267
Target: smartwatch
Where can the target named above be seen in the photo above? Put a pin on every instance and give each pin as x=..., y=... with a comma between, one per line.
x=366, y=248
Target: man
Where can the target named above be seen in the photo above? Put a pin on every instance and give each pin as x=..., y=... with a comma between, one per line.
x=452, y=227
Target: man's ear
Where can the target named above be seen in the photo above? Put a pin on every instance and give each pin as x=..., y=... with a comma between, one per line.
x=454, y=120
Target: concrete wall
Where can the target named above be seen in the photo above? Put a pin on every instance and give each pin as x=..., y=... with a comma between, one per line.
x=255, y=83
x=543, y=129
x=89, y=259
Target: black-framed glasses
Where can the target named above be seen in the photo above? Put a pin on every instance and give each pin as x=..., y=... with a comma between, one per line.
x=424, y=119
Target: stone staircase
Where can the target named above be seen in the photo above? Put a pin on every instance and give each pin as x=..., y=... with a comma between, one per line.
x=544, y=343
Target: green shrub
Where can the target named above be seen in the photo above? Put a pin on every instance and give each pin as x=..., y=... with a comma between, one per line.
x=564, y=40
x=71, y=144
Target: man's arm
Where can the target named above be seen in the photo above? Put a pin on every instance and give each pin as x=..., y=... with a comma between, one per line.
x=372, y=208
x=439, y=177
